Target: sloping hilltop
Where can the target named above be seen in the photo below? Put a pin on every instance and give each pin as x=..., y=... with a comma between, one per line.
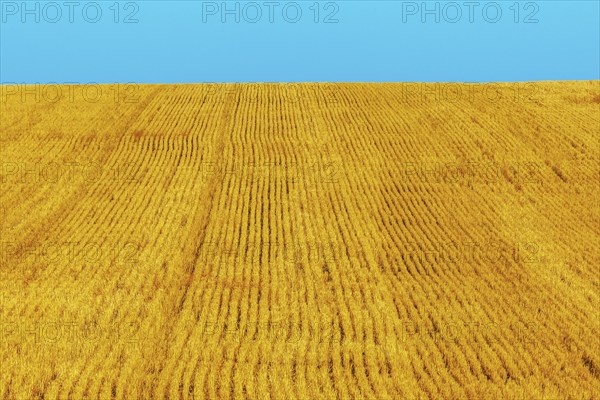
x=300, y=241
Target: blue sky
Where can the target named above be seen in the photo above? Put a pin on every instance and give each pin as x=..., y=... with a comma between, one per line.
x=262, y=41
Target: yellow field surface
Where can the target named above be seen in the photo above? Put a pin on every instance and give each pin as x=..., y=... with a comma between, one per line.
x=300, y=241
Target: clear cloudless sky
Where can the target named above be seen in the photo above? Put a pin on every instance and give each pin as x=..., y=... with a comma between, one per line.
x=274, y=41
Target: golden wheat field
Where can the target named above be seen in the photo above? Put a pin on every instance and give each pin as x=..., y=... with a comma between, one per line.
x=300, y=241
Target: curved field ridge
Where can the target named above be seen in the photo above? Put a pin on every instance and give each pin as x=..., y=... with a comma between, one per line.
x=300, y=241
